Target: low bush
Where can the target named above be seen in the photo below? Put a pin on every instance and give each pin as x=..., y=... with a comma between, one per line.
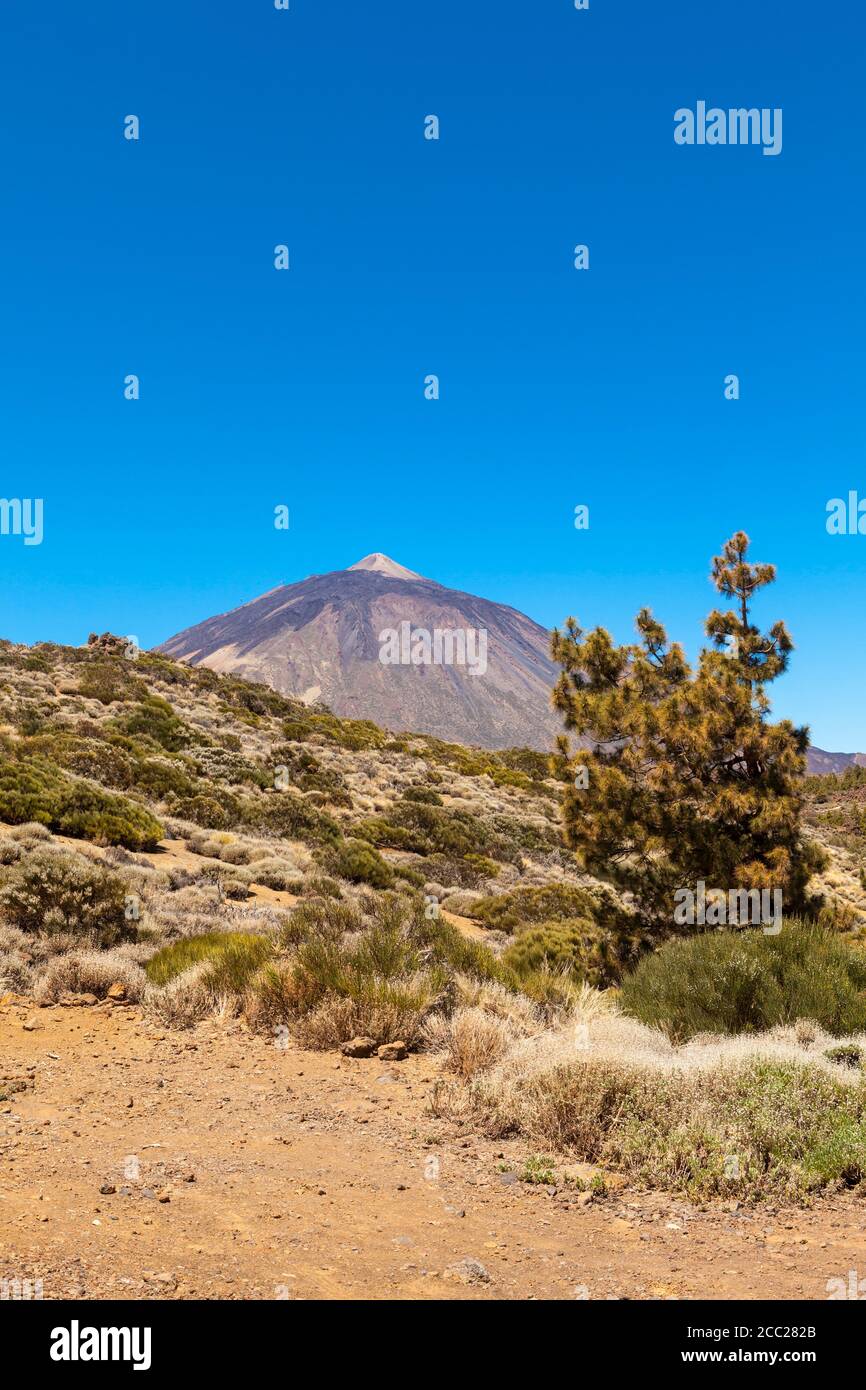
x=90, y=972
x=88, y=813
x=747, y=981
x=426, y=796
x=327, y=918
x=207, y=811
x=32, y=789
x=52, y=891
x=15, y=972
x=232, y=957
x=555, y=902
x=791, y=1128
x=552, y=945
x=155, y=721
x=87, y=757
x=163, y=777
x=110, y=681
x=181, y=1003
x=353, y=734
x=292, y=817
x=360, y=863
x=475, y=1040
x=279, y=874
x=381, y=971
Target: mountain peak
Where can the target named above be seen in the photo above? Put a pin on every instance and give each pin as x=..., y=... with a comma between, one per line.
x=382, y=564
x=322, y=640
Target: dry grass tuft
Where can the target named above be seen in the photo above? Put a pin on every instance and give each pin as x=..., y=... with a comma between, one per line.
x=89, y=972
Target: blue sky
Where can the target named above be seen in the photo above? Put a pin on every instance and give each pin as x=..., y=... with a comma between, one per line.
x=410, y=257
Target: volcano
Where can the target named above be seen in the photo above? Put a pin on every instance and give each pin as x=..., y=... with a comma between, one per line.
x=378, y=641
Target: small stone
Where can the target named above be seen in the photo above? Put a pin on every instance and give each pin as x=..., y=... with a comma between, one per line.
x=392, y=1052
x=107, y=1189
x=468, y=1271
x=116, y=991
x=358, y=1047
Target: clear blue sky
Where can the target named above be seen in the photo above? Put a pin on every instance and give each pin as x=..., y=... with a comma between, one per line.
x=411, y=257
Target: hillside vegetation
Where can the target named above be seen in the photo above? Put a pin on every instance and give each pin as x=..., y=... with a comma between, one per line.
x=199, y=846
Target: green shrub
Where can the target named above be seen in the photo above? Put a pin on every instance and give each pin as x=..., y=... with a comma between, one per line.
x=101, y=762
x=574, y=946
x=470, y=957
x=792, y=1128
x=232, y=969
x=484, y=867
x=31, y=789
x=425, y=796
x=206, y=811
x=360, y=863
x=226, y=764
x=437, y=830
x=88, y=813
x=155, y=719
x=378, y=971
x=326, y=918
x=297, y=730
x=406, y=874
x=29, y=718
x=354, y=734
x=308, y=775
x=235, y=956
x=383, y=834
x=555, y=902
x=747, y=981
x=53, y=891
x=28, y=790
x=378, y=984
x=539, y=1171
x=108, y=681
x=161, y=777
x=291, y=817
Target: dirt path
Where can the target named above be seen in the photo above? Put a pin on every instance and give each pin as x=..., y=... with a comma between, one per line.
x=298, y=1175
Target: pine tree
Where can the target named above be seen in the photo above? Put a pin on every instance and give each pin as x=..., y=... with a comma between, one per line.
x=684, y=778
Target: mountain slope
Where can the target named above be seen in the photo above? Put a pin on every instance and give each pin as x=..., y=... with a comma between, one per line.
x=323, y=640
x=818, y=762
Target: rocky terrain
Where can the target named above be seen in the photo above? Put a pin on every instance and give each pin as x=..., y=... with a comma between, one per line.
x=280, y=1174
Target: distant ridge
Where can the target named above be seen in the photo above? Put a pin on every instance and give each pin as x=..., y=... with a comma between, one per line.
x=819, y=763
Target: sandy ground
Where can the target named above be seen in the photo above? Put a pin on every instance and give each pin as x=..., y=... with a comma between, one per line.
x=235, y=1169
